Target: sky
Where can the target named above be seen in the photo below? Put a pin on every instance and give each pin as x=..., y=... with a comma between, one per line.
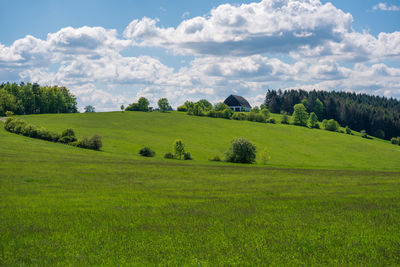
x=111, y=52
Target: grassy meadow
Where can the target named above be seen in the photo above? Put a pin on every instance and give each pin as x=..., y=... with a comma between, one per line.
x=323, y=199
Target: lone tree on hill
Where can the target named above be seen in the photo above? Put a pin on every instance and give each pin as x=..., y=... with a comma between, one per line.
x=300, y=115
x=143, y=104
x=163, y=104
x=179, y=148
x=89, y=109
x=122, y=108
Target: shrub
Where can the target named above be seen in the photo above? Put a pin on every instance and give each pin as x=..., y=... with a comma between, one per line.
x=9, y=113
x=221, y=106
x=239, y=116
x=215, y=158
x=93, y=142
x=212, y=113
x=259, y=117
x=395, y=140
x=67, y=140
x=179, y=148
x=285, y=119
x=68, y=136
x=169, y=155
x=147, y=152
x=241, y=151
x=227, y=113
x=255, y=110
x=332, y=125
x=182, y=108
x=348, y=130
x=272, y=120
x=30, y=130
x=265, y=156
x=96, y=142
x=198, y=110
x=265, y=112
x=187, y=156
x=68, y=132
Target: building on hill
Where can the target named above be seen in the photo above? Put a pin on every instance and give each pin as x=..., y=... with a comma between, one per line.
x=237, y=103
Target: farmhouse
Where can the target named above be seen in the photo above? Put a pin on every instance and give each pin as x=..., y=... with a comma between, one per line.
x=237, y=103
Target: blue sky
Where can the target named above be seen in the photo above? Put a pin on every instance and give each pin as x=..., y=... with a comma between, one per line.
x=112, y=52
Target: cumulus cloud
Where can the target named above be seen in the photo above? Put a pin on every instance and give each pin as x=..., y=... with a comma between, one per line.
x=267, y=26
x=309, y=45
x=386, y=7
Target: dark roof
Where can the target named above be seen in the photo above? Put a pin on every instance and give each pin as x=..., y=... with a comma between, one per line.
x=235, y=100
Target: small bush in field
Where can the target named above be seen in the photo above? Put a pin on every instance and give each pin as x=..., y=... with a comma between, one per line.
x=241, y=151
x=272, y=120
x=93, y=142
x=348, y=130
x=9, y=113
x=147, y=152
x=187, y=156
x=169, y=155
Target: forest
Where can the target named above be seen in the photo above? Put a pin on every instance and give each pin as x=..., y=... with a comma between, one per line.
x=28, y=98
x=378, y=116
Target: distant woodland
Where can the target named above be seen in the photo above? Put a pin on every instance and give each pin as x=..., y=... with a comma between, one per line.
x=378, y=116
x=35, y=99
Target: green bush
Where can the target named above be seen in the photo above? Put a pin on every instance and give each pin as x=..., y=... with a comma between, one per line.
x=272, y=120
x=364, y=134
x=9, y=113
x=68, y=136
x=169, y=155
x=93, y=142
x=221, y=106
x=331, y=125
x=285, y=119
x=241, y=151
x=266, y=113
x=182, y=108
x=30, y=131
x=348, y=130
x=255, y=110
x=147, y=152
x=227, y=113
x=212, y=113
x=187, y=156
x=239, y=116
x=395, y=140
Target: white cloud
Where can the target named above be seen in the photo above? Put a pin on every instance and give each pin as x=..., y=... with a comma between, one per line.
x=309, y=45
x=386, y=7
x=267, y=26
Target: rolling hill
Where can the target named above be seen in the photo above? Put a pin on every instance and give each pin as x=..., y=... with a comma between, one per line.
x=323, y=199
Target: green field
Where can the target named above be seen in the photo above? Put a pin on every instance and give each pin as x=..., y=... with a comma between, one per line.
x=323, y=199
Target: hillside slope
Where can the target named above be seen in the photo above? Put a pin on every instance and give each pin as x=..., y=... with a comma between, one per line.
x=290, y=146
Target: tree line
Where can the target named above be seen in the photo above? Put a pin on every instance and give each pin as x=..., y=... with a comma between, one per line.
x=377, y=116
x=35, y=99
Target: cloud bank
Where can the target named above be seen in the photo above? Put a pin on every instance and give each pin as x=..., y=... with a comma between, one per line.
x=244, y=49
